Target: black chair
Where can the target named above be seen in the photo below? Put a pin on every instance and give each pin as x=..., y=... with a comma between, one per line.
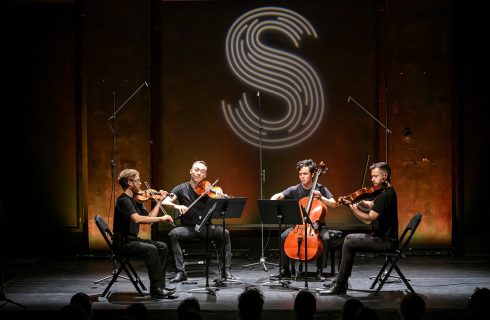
x=188, y=252
x=122, y=260
x=392, y=258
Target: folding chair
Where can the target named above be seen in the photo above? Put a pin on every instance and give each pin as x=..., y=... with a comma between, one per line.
x=393, y=257
x=123, y=261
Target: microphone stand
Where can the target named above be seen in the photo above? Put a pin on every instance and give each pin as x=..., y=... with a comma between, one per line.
x=112, y=126
x=387, y=130
x=262, y=261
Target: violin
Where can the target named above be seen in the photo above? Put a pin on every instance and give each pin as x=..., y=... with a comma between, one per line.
x=206, y=188
x=153, y=194
x=363, y=194
x=148, y=194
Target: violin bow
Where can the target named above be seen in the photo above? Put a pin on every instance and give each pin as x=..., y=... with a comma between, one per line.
x=159, y=204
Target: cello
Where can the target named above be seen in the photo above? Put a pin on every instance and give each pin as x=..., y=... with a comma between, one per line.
x=303, y=242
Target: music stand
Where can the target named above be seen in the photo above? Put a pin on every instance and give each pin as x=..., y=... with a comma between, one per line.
x=284, y=211
x=206, y=222
x=227, y=208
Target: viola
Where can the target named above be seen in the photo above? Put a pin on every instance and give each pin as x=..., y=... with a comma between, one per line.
x=313, y=211
x=153, y=194
x=206, y=188
x=210, y=189
x=148, y=194
x=363, y=194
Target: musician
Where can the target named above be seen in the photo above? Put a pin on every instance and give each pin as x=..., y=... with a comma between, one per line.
x=382, y=215
x=186, y=195
x=128, y=215
x=306, y=170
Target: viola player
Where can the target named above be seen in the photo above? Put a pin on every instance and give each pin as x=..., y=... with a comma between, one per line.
x=188, y=199
x=306, y=169
x=382, y=215
x=128, y=215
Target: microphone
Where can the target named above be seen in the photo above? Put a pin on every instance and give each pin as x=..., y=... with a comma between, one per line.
x=146, y=84
x=258, y=93
x=348, y=100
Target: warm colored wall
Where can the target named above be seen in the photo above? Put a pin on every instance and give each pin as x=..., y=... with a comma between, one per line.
x=62, y=78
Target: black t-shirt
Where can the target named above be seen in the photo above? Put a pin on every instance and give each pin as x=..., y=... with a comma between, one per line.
x=298, y=192
x=186, y=196
x=385, y=204
x=125, y=207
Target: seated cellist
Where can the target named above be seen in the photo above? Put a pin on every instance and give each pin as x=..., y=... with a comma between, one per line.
x=306, y=169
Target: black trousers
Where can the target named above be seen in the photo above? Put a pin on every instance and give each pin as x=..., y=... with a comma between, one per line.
x=322, y=259
x=154, y=254
x=361, y=242
x=186, y=233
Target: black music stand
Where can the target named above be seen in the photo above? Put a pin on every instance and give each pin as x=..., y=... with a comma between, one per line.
x=206, y=221
x=281, y=212
x=227, y=208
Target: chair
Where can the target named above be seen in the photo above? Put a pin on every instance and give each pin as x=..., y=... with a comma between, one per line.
x=188, y=253
x=392, y=258
x=122, y=260
x=335, y=243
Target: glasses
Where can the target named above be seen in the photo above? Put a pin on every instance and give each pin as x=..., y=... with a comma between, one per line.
x=135, y=180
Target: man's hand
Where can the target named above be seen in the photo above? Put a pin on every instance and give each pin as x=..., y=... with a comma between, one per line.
x=182, y=209
x=167, y=218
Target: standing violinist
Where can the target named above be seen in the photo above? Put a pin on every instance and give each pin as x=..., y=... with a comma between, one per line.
x=128, y=215
x=186, y=194
x=382, y=214
x=306, y=170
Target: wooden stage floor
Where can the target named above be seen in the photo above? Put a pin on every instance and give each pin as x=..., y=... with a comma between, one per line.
x=42, y=286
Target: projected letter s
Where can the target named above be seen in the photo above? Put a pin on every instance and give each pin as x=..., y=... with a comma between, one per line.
x=277, y=72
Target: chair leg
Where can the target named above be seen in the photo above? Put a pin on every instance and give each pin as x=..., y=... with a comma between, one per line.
x=136, y=277
x=114, y=277
x=380, y=273
x=405, y=280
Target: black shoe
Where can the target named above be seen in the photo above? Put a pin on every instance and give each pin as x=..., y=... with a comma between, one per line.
x=169, y=287
x=337, y=289
x=162, y=294
x=330, y=284
x=179, y=277
x=227, y=275
x=319, y=274
x=284, y=273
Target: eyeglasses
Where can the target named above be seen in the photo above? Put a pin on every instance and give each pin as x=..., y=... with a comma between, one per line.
x=135, y=180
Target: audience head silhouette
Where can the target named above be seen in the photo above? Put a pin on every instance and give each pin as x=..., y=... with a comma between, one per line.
x=187, y=304
x=82, y=300
x=478, y=306
x=351, y=308
x=366, y=313
x=137, y=311
x=412, y=307
x=72, y=312
x=250, y=304
x=191, y=314
x=304, y=305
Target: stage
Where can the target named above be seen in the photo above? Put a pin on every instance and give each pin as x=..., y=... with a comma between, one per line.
x=41, y=286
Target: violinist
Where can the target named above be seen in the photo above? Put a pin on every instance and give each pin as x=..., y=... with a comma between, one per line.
x=306, y=170
x=194, y=194
x=381, y=214
x=128, y=215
